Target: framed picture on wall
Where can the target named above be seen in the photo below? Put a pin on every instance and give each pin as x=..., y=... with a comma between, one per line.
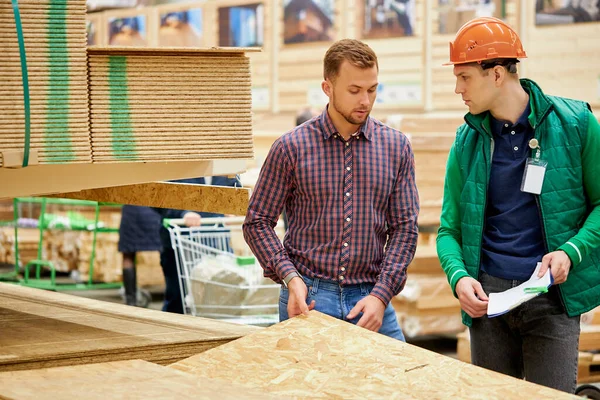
x=455, y=13
x=92, y=26
x=180, y=27
x=127, y=28
x=241, y=26
x=388, y=18
x=552, y=12
x=308, y=21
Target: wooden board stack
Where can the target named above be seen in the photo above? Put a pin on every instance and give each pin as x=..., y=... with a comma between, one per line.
x=134, y=379
x=45, y=329
x=322, y=357
x=169, y=104
x=54, y=33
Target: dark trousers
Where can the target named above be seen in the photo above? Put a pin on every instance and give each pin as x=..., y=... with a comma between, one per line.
x=173, y=302
x=536, y=341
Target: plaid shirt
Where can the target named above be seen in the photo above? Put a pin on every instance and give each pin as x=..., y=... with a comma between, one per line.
x=344, y=200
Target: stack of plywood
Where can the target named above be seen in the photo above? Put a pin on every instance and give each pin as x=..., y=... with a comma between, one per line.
x=426, y=305
x=322, y=357
x=45, y=329
x=169, y=104
x=119, y=380
x=54, y=33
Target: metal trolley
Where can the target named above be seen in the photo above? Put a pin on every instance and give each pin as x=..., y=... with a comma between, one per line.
x=219, y=276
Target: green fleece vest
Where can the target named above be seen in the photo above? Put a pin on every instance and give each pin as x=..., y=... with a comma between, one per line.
x=560, y=125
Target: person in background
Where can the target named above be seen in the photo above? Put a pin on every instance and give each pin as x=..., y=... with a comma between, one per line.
x=173, y=298
x=347, y=184
x=521, y=188
x=138, y=231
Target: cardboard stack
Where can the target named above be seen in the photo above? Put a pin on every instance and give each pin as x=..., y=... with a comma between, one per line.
x=55, y=43
x=169, y=104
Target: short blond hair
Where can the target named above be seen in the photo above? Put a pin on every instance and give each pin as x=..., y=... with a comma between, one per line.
x=354, y=51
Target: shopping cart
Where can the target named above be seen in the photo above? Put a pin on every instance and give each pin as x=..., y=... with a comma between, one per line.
x=219, y=276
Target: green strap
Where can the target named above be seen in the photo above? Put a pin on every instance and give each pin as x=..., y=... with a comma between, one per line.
x=15, y=4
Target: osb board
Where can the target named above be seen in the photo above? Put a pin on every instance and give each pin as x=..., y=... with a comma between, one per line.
x=135, y=379
x=180, y=196
x=321, y=357
x=45, y=329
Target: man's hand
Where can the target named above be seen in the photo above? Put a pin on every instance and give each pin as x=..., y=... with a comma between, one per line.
x=191, y=219
x=298, y=292
x=559, y=264
x=471, y=296
x=372, y=309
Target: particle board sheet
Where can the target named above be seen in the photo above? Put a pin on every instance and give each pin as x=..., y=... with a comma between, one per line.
x=54, y=33
x=133, y=379
x=45, y=329
x=322, y=357
x=168, y=104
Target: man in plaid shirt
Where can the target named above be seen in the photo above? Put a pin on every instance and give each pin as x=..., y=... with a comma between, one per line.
x=347, y=184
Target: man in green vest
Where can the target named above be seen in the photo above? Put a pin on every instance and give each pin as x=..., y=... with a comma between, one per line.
x=522, y=186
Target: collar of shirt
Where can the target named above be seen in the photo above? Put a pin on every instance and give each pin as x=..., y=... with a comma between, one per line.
x=522, y=123
x=328, y=129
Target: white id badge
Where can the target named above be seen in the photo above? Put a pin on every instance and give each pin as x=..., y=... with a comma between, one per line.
x=533, y=178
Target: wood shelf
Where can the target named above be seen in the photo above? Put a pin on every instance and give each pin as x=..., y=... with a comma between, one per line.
x=38, y=180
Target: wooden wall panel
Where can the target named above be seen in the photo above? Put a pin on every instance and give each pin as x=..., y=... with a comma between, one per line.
x=565, y=59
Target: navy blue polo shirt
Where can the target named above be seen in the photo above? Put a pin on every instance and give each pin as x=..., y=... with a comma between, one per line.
x=513, y=241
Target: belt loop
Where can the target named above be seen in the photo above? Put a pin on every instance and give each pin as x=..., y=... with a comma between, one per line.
x=363, y=289
x=315, y=286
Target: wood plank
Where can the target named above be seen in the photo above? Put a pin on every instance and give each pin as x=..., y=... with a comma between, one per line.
x=134, y=379
x=320, y=357
x=43, y=329
x=180, y=196
x=63, y=178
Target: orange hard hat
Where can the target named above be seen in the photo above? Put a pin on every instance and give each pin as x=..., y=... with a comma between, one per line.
x=483, y=39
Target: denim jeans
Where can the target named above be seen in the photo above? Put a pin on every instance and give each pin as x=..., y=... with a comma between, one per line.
x=536, y=341
x=337, y=301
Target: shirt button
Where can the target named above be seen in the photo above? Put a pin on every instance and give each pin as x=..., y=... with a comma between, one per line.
x=347, y=194
x=348, y=168
x=335, y=136
x=506, y=125
x=347, y=144
x=516, y=148
x=345, y=244
x=341, y=278
x=343, y=269
x=348, y=219
x=512, y=133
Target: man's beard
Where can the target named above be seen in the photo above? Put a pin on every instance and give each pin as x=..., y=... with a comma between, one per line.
x=348, y=117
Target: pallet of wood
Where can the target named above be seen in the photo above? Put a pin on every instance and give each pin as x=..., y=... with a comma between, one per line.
x=43, y=329
x=318, y=356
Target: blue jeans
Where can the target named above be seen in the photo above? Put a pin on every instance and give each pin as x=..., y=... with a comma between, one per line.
x=337, y=301
x=537, y=341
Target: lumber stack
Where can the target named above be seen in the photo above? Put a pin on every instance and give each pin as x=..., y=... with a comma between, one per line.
x=169, y=104
x=28, y=245
x=321, y=357
x=45, y=329
x=54, y=33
